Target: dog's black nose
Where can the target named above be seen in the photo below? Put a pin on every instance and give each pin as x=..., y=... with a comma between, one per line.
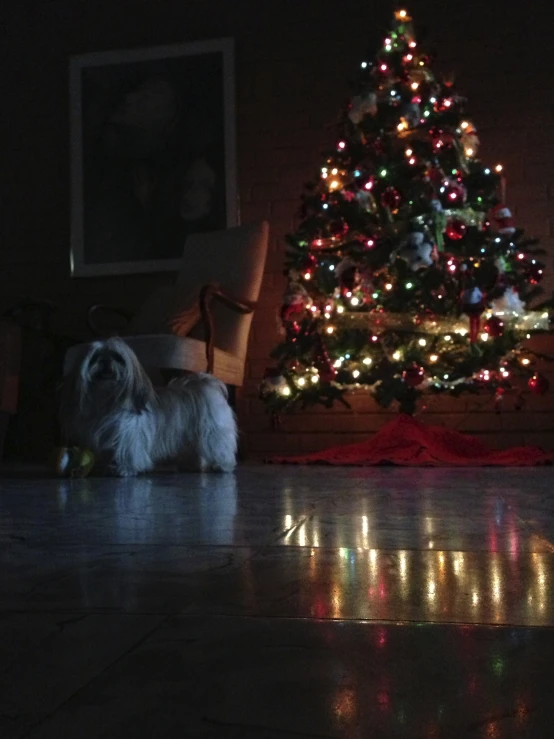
x=104, y=370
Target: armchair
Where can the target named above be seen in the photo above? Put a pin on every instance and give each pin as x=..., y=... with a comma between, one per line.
x=202, y=322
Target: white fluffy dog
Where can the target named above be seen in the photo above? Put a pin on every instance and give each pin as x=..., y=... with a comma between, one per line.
x=109, y=405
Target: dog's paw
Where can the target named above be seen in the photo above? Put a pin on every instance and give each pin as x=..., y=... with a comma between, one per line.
x=120, y=471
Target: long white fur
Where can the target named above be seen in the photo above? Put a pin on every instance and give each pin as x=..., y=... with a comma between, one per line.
x=109, y=405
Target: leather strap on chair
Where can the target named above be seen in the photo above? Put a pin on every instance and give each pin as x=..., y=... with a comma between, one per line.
x=214, y=292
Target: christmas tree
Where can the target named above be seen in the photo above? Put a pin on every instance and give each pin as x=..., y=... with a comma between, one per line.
x=406, y=272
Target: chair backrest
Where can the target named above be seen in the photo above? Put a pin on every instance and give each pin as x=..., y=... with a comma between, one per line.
x=235, y=259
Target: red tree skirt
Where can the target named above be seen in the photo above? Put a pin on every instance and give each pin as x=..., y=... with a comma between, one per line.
x=405, y=441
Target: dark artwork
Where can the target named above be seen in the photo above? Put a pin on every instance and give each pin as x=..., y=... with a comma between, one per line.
x=153, y=156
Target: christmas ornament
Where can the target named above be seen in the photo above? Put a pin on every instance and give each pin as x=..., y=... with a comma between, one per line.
x=391, y=199
x=494, y=326
x=452, y=192
x=348, y=274
x=295, y=300
x=538, y=384
x=455, y=229
x=273, y=382
x=502, y=216
x=510, y=302
x=417, y=251
x=472, y=306
x=362, y=105
x=366, y=200
x=413, y=376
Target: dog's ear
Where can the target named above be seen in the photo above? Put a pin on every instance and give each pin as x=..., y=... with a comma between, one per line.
x=142, y=391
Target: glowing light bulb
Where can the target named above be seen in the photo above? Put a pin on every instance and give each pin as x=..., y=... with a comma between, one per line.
x=469, y=152
x=340, y=309
x=426, y=114
x=409, y=152
x=330, y=329
x=422, y=342
x=331, y=267
x=452, y=196
x=409, y=285
x=396, y=356
x=364, y=65
x=334, y=185
x=434, y=358
x=301, y=381
x=498, y=168
x=356, y=373
x=370, y=243
x=447, y=103
x=402, y=126
x=342, y=145
x=464, y=124
x=388, y=286
x=412, y=44
x=367, y=361
x=383, y=67
x=484, y=337
x=409, y=57
x=307, y=276
x=315, y=379
x=285, y=390
x=334, y=170
x=374, y=338
x=414, y=85
x=368, y=185
x=521, y=256
x=446, y=377
x=448, y=337
x=411, y=160
x=383, y=173
x=402, y=13
x=487, y=171
x=354, y=301
x=525, y=361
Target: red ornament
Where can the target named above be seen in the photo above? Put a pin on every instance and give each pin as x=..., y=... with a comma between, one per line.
x=413, y=376
x=494, y=326
x=538, y=384
x=455, y=229
x=453, y=192
x=391, y=199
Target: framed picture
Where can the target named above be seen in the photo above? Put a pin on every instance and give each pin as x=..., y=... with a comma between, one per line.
x=153, y=154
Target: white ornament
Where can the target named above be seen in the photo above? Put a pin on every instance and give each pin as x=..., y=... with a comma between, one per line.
x=362, y=105
x=472, y=296
x=417, y=251
x=510, y=302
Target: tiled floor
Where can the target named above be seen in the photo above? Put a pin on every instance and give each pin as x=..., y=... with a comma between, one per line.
x=279, y=603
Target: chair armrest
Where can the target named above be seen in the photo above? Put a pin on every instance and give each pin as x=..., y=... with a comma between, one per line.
x=212, y=292
x=100, y=308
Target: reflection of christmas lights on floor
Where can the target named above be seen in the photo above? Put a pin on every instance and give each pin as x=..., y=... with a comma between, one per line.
x=475, y=598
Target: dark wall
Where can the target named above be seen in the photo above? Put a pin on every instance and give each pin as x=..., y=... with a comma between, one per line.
x=294, y=59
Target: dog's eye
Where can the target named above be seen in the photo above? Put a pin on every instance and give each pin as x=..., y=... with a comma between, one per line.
x=118, y=359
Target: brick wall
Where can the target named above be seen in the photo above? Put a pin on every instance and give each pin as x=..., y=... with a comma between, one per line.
x=294, y=59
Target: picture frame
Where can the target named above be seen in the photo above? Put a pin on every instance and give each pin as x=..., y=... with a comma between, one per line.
x=153, y=154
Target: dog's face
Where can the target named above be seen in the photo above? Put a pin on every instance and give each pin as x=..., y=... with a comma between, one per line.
x=106, y=366
x=109, y=372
